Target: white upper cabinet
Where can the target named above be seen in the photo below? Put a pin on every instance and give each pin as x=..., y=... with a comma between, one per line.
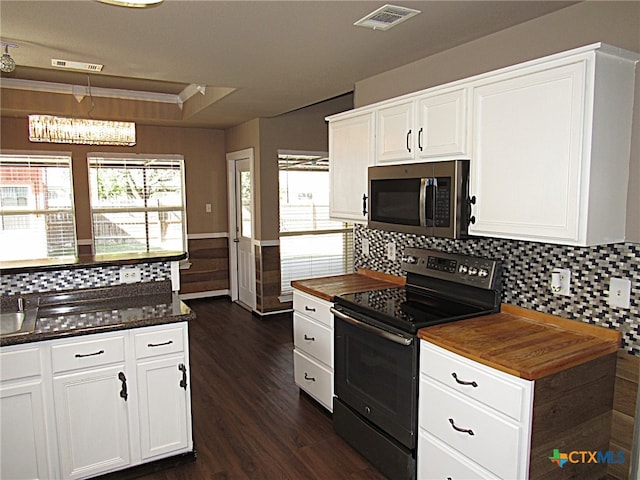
x=442, y=122
x=351, y=147
x=395, y=132
x=549, y=142
x=551, y=147
x=422, y=127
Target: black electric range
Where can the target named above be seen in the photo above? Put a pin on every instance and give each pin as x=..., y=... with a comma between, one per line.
x=376, y=355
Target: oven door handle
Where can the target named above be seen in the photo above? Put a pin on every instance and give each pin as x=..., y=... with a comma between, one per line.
x=381, y=333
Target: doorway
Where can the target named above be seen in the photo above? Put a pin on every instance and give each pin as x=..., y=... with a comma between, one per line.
x=242, y=272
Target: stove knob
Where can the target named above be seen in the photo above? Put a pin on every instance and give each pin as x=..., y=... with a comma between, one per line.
x=473, y=271
x=463, y=269
x=483, y=273
x=411, y=260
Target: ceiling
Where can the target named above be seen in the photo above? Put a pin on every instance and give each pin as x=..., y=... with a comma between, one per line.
x=254, y=58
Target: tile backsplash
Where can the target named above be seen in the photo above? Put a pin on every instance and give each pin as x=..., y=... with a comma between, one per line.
x=527, y=270
x=89, y=277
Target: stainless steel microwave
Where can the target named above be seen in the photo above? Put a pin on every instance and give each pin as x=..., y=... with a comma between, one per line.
x=422, y=198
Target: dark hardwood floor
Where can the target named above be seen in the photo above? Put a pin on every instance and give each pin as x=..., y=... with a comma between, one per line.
x=250, y=420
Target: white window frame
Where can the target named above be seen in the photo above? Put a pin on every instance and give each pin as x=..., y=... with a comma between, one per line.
x=346, y=229
x=137, y=159
x=48, y=157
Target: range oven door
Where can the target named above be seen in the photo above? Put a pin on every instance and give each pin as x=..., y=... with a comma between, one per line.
x=375, y=375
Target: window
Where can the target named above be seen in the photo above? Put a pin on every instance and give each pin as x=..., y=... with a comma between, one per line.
x=36, y=206
x=137, y=203
x=311, y=245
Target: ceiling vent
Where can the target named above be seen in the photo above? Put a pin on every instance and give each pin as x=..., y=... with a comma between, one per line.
x=85, y=67
x=386, y=17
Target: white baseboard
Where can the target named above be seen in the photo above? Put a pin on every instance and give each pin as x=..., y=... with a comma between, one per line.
x=208, y=293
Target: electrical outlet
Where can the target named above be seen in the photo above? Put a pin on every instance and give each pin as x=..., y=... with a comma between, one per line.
x=391, y=251
x=620, y=292
x=365, y=247
x=561, y=281
x=207, y=208
x=130, y=275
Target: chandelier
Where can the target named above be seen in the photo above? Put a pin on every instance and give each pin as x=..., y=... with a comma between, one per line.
x=7, y=64
x=51, y=129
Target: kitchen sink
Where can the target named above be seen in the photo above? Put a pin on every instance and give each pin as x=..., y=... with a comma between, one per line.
x=18, y=323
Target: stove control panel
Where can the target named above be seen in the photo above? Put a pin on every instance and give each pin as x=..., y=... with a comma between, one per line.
x=466, y=269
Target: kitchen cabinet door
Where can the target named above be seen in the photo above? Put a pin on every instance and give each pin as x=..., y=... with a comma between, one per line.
x=396, y=133
x=23, y=438
x=163, y=406
x=551, y=146
x=526, y=171
x=91, y=408
x=351, y=147
x=442, y=125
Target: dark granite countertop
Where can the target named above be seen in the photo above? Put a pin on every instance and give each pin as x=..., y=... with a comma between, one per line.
x=83, y=261
x=97, y=310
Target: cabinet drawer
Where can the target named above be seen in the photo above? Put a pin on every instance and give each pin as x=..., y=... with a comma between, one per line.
x=19, y=363
x=313, y=338
x=313, y=307
x=507, y=394
x=437, y=460
x=87, y=353
x=149, y=343
x=496, y=441
x=313, y=378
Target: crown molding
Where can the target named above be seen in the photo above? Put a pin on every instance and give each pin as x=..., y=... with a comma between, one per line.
x=80, y=91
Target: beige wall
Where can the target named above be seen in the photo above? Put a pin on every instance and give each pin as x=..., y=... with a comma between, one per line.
x=616, y=23
x=205, y=168
x=303, y=129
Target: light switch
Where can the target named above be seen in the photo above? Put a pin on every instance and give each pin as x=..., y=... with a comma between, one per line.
x=620, y=292
x=207, y=207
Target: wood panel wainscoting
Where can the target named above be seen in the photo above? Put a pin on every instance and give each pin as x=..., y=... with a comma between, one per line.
x=268, y=280
x=624, y=412
x=209, y=270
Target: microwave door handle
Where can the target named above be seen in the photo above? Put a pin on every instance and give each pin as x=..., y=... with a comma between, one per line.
x=424, y=183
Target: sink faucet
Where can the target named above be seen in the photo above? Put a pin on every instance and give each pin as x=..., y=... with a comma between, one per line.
x=20, y=304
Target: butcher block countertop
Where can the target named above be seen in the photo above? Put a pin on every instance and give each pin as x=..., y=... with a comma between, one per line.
x=329, y=287
x=524, y=343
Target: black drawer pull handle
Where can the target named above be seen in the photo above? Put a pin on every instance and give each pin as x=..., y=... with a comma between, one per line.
x=183, y=382
x=309, y=309
x=82, y=355
x=458, y=429
x=313, y=339
x=364, y=205
x=307, y=377
x=151, y=345
x=408, y=144
x=123, y=391
x=420, y=139
x=462, y=382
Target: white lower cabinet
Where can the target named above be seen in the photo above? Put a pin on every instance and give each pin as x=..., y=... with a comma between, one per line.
x=24, y=448
x=164, y=403
x=92, y=422
x=313, y=347
x=113, y=401
x=474, y=421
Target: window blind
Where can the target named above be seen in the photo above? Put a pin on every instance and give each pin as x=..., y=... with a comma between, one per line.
x=137, y=203
x=311, y=244
x=36, y=206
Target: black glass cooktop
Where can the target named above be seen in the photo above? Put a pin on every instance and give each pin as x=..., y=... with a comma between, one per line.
x=405, y=309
